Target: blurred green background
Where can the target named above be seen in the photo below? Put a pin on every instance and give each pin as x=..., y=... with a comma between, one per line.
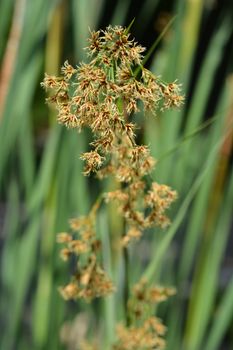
x=42, y=186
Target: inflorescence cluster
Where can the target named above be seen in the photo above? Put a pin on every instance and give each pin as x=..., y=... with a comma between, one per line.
x=104, y=95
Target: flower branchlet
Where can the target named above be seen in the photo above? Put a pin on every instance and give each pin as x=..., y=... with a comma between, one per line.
x=145, y=330
x=89, y=280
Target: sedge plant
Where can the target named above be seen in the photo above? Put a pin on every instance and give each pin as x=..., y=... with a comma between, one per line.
x=104, y=95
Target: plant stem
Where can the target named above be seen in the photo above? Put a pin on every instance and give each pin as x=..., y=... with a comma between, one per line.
x=126, y=284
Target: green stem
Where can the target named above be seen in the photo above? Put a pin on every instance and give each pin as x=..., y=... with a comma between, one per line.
x=126, y=284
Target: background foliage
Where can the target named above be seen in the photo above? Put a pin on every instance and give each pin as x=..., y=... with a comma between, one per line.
x=41, y=179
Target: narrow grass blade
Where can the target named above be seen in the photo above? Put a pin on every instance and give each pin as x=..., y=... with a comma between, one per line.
x=222, y=319
x=42, y=301
x=200, y=98
x=205, y=283
x=12, y=123
x=109, y=302
x=25, y=264
x=46, y=171
x=27, y=156
x=187, y=137
x=129, y=26
x=199, y=213
x=5, y=11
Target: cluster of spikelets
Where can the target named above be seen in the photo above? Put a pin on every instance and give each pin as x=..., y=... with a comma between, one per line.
x=144, y=331
x=90, y=280
x=103, y=95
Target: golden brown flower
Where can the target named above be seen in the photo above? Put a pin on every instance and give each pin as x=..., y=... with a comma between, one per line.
x=63, y=237
x=78, y=246
x=65, y=253
x=67, y=70
x=93, y=161
x=144, y=337
x=70, y=291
